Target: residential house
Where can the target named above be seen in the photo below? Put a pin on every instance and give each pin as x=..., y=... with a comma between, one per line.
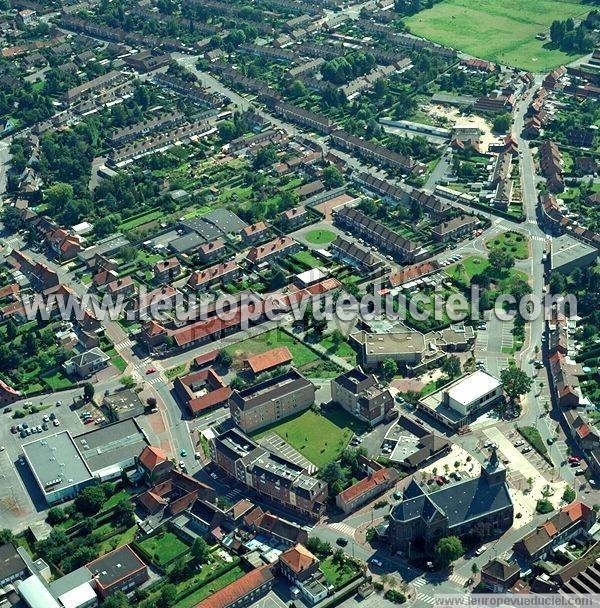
x=254, y=232
x=352, y=255
x=154, y=464
x=166, y=271
x=220, y=273
x=296, y=216
x=86, y=364
x=455, y=228
x=243, y=592
x=211, y=252
x=275, y=249
x=498, y=575
x=366, y=489
x=269, y=360
x=572, y=521
x=202, y=391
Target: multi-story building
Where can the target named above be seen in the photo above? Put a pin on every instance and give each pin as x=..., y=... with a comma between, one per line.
x=456, y=509
x=351, y=254
x=455, y=228
x=119, y=570
x=362, y=396
x=274, y=399
x=366, y=489
x=272, y=476
x=166, y=270
x=306, y=118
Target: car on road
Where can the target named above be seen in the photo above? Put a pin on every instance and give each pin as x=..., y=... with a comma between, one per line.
x=150, y=370
x=183, y=453
x=38, y=428
x=45, y=426
x=481, y=550
x=213, y=475
x=341, y=541
x=58, y=403
x=579, y=472
x=7, y=409
x=526, y=450
x=574, y=459
x=376, y=562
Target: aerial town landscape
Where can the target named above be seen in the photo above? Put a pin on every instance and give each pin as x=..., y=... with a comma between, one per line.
x=299, y=302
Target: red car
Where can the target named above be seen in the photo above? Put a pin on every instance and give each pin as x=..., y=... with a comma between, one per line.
x=150, y=370
x=88, y=421
x=13, y=429
x=574, y=459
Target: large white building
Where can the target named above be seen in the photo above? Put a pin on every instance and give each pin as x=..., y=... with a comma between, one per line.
x=462, y=401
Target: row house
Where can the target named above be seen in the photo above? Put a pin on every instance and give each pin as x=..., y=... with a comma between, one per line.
x=191, y=90
x=366, y=489
x=437, y=209
x=210, y=252
x=386, y=190
x=494, y=104
x=91, y=86
x=352, y=255
x=309, y=67
x=455, y=228
x=255, y=232
x=377, y=233
x=166, y=271
x=306, y=118
x=268, y=52
x=220, y=273
x=377, y=153
x=275, y=249
x=553, y=78
x=294, y=217
x=551, y=166
x=140, y=129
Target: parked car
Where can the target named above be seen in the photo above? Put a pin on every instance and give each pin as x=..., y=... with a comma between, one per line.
x=481, y=550
x=579, y=472
x=341, y=541
x=574, y=459
x=13, y=429
x=56, y=422
x=526, y=450
x=519, y=443
x=376, y=562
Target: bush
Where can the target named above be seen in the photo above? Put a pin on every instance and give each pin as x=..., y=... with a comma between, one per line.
x=395, y=596
x=544, y=506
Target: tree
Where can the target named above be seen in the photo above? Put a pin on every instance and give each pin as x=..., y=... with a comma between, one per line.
x=448, y=549
x=116, y=600
x=569, y=494
x=332, y=177
x=6, y=536
x=296, y=89
x=500, y=259
x=200, y=551
x=515, y=381
x=224, y=359
x=123, y=513
x=544, y=506
x=389, y=368
x=56, y=516
x=451, y=366
x=337, y=337
x=557, y=32
x=88, y=391
x=58, y=196
x=332, y=472
x=179, y=570
x=90, y=500
x=11, y=330
x=12, y=219
x=502, y=123
x=168, y=596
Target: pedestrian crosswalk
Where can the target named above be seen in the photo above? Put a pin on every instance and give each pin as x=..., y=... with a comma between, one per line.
x=426, y=598
x=458, y=579
x=344, y=528
x=124, y=344
x=419, y=582
x=538, y=238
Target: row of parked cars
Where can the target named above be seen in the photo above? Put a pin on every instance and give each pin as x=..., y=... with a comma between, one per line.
x=25, y=429
x=88, y=418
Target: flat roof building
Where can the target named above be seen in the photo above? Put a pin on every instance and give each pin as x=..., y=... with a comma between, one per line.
x=119, y=570
x=58, y=466
x=461, y=402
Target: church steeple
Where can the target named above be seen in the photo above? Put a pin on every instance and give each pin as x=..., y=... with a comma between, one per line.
x=493, y=470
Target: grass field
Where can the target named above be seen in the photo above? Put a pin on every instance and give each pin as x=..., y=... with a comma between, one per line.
x=320, y=237
x=320, y=438
x=163, y=547
x=498, y=30
x=271, y=339
x=510, y=242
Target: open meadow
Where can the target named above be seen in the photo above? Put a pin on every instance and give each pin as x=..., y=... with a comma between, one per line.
x=503, y=31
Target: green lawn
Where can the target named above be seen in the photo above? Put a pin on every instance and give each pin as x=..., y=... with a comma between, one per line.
x=511, y=242
x=308, y=259
x=499, y=30
x=320, y=438
x=222, y=581
x=163, y=547
x=338, y=575
x=136, y=221
x=344, y=350
x=468, y=267
x=272, y=339
x=118, y=540
x=320, y=237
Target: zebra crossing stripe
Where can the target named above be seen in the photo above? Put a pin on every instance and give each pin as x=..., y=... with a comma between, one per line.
x=425, y=598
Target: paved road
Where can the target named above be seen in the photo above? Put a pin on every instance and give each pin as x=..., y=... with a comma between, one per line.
x=4, y=164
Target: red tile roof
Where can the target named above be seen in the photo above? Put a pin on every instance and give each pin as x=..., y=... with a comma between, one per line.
x=152, y=456
x=365, y=485
x=238, y=589
x=280, y=244
x=298, y=558
x=269, y=359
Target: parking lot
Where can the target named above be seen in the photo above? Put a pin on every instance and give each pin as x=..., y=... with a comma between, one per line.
x=20, y=498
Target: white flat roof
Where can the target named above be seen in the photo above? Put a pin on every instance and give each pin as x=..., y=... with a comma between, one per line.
x=78, y=597
x=311, y=276
x=35, y=593
x=473, y=387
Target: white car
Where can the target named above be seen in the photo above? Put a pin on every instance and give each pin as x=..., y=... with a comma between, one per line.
x=481, y=550
x=376, y=562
